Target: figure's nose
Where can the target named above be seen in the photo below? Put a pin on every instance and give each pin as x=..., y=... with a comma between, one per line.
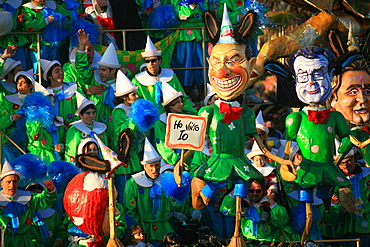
x=361, y=97
x=311, y=83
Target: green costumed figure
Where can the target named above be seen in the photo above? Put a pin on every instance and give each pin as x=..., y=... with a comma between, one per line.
x=145, y=200
x=149, y=82
x=8, y=69
x=83, y=128
x=18, y=208
x=173, y=103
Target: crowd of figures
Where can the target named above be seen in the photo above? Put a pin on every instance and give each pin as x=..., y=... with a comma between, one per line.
x=91, y=118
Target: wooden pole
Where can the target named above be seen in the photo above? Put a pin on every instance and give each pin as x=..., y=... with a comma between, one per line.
x=237, y=240
x=306, y=232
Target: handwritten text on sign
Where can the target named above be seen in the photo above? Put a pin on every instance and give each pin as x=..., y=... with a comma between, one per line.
x=185, y=131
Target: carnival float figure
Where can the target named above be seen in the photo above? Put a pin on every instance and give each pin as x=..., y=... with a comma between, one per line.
x=330, y=25
x=351, y=97
x=229, y=125
x=314, y=128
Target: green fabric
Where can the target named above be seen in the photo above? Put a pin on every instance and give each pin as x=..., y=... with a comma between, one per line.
x=119, y=122
x=199, y=159
x=14, y=39
x=316, y=142
x=28, y=234
x=40, y=141
x=362, y=136
x=137, y=203
x=56, y=229
x=228, y=161
x=190, y=18
x=269, y=230
x=7, y=109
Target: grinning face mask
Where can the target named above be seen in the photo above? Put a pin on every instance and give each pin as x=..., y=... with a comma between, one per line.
x=312, y=79
x=229, y=70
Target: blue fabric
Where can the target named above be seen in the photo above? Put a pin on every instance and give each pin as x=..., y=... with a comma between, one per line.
x=240, y=189
x=158, y=92
x=211, y=188
x=13, y=210
x=109, y=97
x=72, y=4
x=324, y=192
x=47, y=11
x=42, y=226
x=155, y=195
x=58, y=97
x=53, y=130
x=357, y=188
x=8, y=7
x=254, y=216
x=188, y=54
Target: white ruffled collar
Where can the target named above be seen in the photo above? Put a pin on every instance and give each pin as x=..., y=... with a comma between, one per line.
x=98, y=127
x=145, y=79
x=15, y=99
x=69, y=89
x=22, y=197
x=125, y=108
x=142, y=180
x=11, y=88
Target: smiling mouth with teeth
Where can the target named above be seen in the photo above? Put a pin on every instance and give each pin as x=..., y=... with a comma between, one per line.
x=228, y=83
x=361, y=111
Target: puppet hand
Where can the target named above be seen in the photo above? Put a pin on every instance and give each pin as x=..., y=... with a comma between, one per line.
x=287, y=171
x=196, y=215
x=180, y=216
x=49, y=185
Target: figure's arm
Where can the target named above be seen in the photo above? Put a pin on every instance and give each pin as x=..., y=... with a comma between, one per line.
x=168, y=154
x=130, y=200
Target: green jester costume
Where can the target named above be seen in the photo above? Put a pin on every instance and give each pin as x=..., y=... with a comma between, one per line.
x=28, y=233
x=145, y=201
x=228, y=161
x=317, y=167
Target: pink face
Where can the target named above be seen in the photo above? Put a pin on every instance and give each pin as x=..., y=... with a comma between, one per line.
x=229, y=70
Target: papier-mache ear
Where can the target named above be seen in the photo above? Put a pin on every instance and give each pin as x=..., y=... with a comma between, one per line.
x=247, y=28
x=212, y=26
x=338, y=47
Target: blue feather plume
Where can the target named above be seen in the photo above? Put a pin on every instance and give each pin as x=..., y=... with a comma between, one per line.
x=163, y=17
x=298, y=219
x=144, y=113
x=171, y=189
x=91, y=29
x=61, y=173
x=31, y=166
x=56, y=31
x=38, y=107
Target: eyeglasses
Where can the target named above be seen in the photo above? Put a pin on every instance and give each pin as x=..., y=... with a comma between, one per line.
x=151, y=60
x=254, y=191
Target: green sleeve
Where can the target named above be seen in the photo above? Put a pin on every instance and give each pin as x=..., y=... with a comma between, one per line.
x=70, y=73
x=84, y=70
x=292, y=123
x=168, y=155
x=207, y=112
x=73, y=138
x=279, y=216
x=121, y=224
x=199, y=159
x=43, y=200
x=5, y=113
x=341, y=127
x=228, y=205
x=130, y=199
x=33, y=21
x=250, y=121
x=56, y=226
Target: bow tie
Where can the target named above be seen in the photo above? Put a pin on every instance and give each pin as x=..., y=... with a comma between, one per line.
x=318, y=116
x=366, y=128
x=231, y=112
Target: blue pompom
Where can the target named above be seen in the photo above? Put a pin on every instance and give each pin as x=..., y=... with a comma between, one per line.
x=163, y=17
x=144, y=113
x=56, y=31
x=61, y=173
x=38, y=107
x=33, y=169
x=168, y=184
x=20, y=135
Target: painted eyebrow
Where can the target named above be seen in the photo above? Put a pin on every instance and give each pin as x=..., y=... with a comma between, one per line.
x=358, y=85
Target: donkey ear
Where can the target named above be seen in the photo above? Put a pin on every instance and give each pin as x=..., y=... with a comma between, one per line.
x=247, y=24
x=212, y=26
x=336, y=44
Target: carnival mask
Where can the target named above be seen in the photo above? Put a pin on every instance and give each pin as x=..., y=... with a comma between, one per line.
x=353, y=96
x=312, y=79
x=229, y=70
